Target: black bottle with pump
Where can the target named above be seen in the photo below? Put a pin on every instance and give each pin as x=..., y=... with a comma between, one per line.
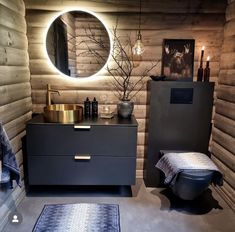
x=87, y=107
x=94, y=108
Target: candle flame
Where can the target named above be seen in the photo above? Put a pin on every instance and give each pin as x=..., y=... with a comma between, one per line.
x=203, y=48
x=208, y=58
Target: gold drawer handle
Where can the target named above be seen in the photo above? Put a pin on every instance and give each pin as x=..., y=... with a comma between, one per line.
x=82, y=157
x=82, y=127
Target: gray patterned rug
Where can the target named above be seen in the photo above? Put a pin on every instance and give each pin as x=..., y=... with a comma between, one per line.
x=79, y=218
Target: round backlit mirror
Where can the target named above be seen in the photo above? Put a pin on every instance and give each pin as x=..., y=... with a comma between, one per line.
x=78, y=44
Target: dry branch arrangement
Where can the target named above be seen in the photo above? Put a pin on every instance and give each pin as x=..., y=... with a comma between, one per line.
x=121, y=63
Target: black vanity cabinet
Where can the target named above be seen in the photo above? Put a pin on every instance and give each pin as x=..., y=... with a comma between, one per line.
x=94, y=152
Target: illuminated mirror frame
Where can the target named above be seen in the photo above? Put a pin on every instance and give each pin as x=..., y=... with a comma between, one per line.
x=94, y=76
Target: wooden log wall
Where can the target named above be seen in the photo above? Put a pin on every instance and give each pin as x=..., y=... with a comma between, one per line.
x=202, y=20
x=223, y=135
x=15, y=91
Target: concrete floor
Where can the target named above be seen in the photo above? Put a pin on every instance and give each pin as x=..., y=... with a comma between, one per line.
x=150, y=209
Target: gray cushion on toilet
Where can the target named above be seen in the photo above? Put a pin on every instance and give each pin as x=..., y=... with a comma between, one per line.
x=174, y=163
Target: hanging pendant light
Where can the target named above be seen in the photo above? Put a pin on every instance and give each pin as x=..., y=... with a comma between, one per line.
x=138, y=48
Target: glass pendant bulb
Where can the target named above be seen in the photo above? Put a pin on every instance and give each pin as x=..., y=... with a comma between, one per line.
x=138, y=48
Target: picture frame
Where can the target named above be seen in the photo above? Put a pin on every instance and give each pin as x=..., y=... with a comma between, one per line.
x=178, y=59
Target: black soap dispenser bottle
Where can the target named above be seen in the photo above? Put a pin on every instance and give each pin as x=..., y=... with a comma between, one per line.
x=87, y=107
x=94, y=108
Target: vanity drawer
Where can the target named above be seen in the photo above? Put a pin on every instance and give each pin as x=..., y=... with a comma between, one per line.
x=65, y=139
x=65, y=170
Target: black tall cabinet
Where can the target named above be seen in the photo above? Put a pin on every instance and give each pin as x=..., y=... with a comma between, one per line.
x=179, y=119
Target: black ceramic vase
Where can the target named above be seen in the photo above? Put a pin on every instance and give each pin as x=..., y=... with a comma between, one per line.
x=125, y=109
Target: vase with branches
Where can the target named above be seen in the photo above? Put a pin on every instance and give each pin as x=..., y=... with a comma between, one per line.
x=120, y=67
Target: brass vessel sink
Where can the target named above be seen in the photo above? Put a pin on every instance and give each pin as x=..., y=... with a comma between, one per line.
x=63, y=113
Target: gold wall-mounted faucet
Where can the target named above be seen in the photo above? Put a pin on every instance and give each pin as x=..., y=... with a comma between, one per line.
x=49, y=92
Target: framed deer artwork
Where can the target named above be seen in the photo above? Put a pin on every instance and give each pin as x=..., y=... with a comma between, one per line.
x=178, y=59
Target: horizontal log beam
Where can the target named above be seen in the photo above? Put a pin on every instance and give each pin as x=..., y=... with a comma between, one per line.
x=16, y=142
x=142, y=138
x=227, y=77
x=14, y=74
x=167, y=6
x=229, y=28
x=11, y=93
x=152, y=53
x=139, y=174
x=141, y=150
x=16, y=126
x=15, y=5
x=209, y=39
x=223, y=139
x=227, y=60
x=39, y=82
x=130, y=21
x=228, y=175
x=9, y=18
x=226, y=93
x=35, y=34
x=170, y=21
x=13, y=56
x=14, y=110
x=223, y=155
x=140, y=164
x=142, y=124
x=19, y=158
x=230, y=192
x=227, y=190
x=43, y=67
x=12, y=38
x=227, y=193
x=228, y=44
x=225, y=124
x=225, y=108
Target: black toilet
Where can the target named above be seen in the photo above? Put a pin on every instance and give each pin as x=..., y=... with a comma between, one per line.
x=191, y=183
